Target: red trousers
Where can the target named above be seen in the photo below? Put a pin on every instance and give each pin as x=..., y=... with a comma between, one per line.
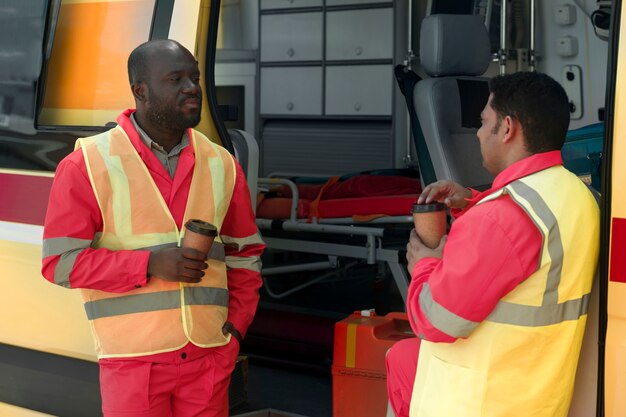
x=190, y=382
x=401, y=364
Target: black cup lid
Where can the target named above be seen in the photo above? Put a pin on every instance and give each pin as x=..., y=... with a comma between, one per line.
x=427, y=208
x=202, y=227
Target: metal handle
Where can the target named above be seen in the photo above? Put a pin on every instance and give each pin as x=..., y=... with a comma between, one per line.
x=290, y=52
x=357, y=106
x=290, y=106
x=358, y=50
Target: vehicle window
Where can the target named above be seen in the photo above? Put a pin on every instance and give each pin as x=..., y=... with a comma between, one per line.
x=86, y=81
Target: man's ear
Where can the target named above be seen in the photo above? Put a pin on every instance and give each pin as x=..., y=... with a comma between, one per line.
x=511, y=128
x=139, y=91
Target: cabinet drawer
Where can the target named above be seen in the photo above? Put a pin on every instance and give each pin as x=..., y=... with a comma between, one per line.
x=288, y=4
x=359, y=34
x=359, y=90
x=347, y=2
x=293, y=90
x=291, y=37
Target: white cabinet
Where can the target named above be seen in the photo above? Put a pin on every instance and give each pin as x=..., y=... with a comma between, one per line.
x=291, y=90
x=288, y=4
x=359, y=90
x=359, y=34
x=291, y=37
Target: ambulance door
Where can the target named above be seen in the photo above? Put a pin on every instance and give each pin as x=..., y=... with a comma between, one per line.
x=26, y=35
x=613, y=255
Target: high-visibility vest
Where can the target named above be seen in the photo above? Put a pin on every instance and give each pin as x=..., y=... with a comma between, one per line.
x=162, y=316
x=521, y=361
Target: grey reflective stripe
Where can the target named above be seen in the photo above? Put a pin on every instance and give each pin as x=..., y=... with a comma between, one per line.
x=555, y=245
x=533, y=316
x=159, y=247
x=241, y=242
x=443, y=319
x=252, y=263
x=65, y=266
x=206, y=296
x=217, y=252
x=137, y=303
x=165, y=300
x=60, y=245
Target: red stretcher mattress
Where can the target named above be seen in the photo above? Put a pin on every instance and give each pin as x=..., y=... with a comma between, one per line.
x=361, y=197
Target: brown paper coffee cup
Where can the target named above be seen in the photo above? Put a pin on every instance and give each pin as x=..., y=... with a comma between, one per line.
x=199, y=235
x=430, y=222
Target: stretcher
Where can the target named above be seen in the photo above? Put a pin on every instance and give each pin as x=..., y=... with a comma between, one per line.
x=363, y=218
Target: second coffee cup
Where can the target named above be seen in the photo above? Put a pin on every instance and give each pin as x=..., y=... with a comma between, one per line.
x=199, y=235
x=430, y=222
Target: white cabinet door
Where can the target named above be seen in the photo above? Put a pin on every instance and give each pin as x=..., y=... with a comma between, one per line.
x=291, y=37
x=359, y=90
x=359, y=34
x=288, y=4
x=291, y=90
x=350, y=2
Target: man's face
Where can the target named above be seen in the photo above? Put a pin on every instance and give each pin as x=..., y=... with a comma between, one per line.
x=174, y=95
x=489, y=135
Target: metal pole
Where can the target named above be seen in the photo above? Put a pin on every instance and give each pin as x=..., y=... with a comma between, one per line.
x=531, y=52
x=408, y=62
x=502, y=52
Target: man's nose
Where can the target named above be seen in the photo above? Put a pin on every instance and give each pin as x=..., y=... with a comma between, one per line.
x=191, y=87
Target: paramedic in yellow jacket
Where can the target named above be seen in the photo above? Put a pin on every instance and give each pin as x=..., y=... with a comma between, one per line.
x=501, y=304
x=166, y=328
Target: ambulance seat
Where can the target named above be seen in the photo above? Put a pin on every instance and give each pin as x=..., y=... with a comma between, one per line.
x=454, y=52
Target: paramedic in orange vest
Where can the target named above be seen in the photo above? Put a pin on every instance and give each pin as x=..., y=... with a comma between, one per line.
x=501, y=303
x=167, y=321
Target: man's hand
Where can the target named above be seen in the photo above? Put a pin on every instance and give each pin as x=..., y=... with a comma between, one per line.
x=416, y=250
x=448, y=192
x=177, y=265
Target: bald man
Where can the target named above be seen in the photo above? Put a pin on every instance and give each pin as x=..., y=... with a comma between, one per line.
x=167, y=321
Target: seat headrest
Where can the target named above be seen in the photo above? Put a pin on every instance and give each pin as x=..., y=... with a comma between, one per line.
x=454, y=45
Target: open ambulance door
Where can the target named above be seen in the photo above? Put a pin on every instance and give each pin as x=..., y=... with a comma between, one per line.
x=612, y=382
x=26, y=35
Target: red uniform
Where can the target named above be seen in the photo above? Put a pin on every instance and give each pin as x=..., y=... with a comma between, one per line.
x=73, y=212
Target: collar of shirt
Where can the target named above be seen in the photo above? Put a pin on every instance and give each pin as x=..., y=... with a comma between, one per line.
x=534, y=163
x=184, y=142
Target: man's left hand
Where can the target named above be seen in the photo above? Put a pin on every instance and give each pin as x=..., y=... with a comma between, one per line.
x=416, y=250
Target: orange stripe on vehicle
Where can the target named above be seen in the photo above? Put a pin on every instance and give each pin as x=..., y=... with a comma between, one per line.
x=351, y=345
x=618, y=251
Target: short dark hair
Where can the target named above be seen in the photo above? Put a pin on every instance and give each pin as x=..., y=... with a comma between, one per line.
x=538, y=102
x=138, y=64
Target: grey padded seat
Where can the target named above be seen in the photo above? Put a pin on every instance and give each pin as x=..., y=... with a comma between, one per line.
x=454, y=52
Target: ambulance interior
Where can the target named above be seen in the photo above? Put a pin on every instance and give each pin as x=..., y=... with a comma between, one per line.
x=340, y=111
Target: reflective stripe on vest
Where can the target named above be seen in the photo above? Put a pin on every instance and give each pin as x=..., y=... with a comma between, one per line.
x=521, y=360
x=163, y=316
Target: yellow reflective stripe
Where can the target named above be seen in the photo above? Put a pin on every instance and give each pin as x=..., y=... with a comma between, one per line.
x=120, y=200
x=545, y=315
x=59, y=245
x=351, y=345
x=253, y=263
x=242, y=242
x=442, y=318
x=537, y=209
x=65, y=266
x=164, y=300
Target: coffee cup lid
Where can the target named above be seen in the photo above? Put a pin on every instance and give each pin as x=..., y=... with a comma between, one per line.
x=427, y=208
x=202, y=227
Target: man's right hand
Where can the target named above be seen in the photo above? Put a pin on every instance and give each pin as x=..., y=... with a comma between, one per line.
x=448, y=192
x=177, y=265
